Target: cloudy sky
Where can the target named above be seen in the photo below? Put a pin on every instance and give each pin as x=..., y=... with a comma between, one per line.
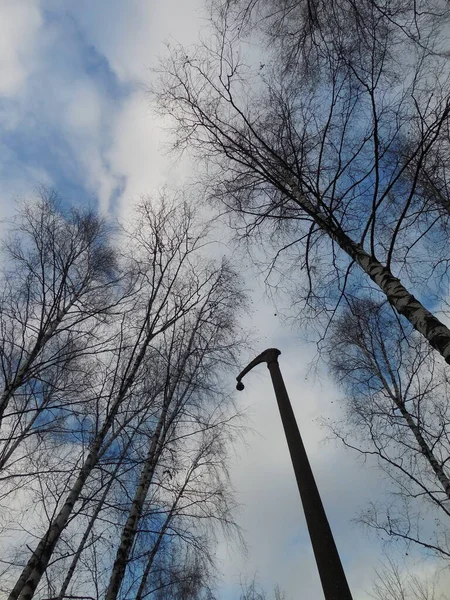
x=75, y=116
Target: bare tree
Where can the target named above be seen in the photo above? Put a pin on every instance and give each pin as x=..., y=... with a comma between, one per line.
x=251, y=590
x=193, y=499
x=168, y=278
x=182, y=576
x=192, y=345
x=397, y=410
x=307, y=146
x=57, y=292
x=91, y=523
x=393, y=583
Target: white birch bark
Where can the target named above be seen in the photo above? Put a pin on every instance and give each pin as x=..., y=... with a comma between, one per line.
x=92, y=520
x=401, y=299
x=33, y=571
x=425, y=448
x=155, y=549
x=130, y=528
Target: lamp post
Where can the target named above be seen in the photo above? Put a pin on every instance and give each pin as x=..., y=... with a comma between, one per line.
x=332, y=576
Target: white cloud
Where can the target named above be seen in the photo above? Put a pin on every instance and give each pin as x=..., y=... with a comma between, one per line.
x=138, y=153
x=84, y=116
x=130, y=34
x=114, y=141
x=20, y=21
x=135, y=151
x=131, y=38
x=271, y=514
x=83, y=110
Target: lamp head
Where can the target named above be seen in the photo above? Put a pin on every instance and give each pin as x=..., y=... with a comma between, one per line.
x=268, y=356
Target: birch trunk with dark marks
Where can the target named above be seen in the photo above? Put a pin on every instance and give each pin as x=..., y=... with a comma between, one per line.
x=425, y=449
x=178, y=359
x=87, y=532
x=400, y=298
x=130, y=528
x=155, y=549
x=32, y=573
x=36, y=566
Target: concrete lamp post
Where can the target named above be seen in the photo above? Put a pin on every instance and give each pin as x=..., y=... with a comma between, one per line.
x=332, y=576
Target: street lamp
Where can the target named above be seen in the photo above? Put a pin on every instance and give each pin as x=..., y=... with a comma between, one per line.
x=332, y=576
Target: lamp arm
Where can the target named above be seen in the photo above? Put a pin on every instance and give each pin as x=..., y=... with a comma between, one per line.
x=268, y=356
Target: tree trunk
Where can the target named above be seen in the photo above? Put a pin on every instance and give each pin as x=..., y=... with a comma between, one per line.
x=130, y=528
x=32, y=573
x=155, y=549
x=424, y=448
x=82, y=544
x=405, y=303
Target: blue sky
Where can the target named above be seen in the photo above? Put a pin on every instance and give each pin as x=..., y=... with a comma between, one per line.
x=73, y=111
x=74, y=115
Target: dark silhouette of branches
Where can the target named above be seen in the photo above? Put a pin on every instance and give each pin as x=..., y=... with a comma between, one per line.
x=116, y=417
x=397, y=412
x=321, y=148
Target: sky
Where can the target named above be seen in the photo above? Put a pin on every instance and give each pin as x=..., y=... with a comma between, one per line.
x=75, y=116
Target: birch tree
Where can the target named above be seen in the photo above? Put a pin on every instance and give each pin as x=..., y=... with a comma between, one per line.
x=394, y=583
x=252, y=590
x=183, y=578
x=57, y=291
x=310, y=141
x=191, y=501
x=396, y=410
x=84, y=541
x=194, y=345
x=167, y=278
